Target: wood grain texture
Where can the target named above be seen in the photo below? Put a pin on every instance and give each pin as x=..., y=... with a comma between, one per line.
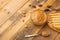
x=3, y=3
x=52, y=36
x=10, y=9
x=2, y=28
x=12, y=21
x=58, y=37
x=48, y=2
x=14, y=24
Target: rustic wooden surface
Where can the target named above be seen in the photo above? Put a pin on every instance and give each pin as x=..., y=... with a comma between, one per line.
x=15, y=21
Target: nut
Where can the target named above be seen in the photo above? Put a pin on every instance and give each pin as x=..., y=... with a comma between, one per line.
x=45, y=33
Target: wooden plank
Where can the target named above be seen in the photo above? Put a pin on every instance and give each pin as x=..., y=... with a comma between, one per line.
x=52, y=36
x=10, y=9
x=55, y=4
x=58, y=37
x=4, y=16
x=48, y=2
x=13, y=30
x=14, y=18
x=9, y=22
x=3, y=3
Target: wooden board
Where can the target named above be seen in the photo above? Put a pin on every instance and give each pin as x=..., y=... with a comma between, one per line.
x=10, y=9
x=15, y=24
x=58, y=37
x=3, y=3
x=52, y=36
x=6, y=17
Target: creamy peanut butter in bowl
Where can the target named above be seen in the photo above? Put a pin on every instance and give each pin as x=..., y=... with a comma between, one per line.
x=38, y=17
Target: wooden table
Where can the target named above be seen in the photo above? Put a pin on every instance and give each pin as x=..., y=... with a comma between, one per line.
x=15, y=21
